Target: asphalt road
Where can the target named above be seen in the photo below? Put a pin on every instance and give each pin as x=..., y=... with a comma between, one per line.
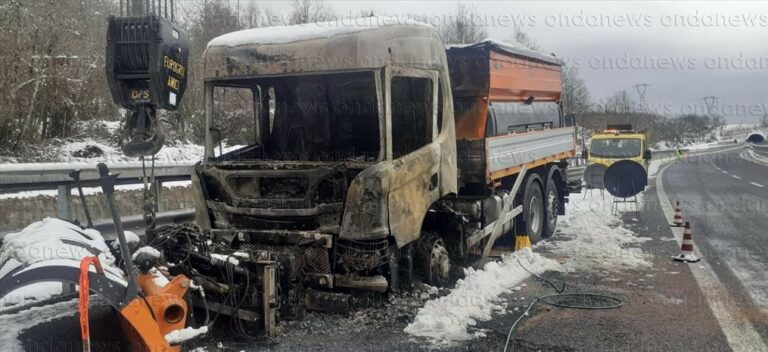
x=725, y=197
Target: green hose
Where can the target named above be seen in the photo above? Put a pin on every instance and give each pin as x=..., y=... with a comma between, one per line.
x=612, y=302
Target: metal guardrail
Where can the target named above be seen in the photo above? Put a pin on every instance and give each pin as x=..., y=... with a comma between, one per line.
x=55, y=176
x=578, y=165
x=760, y=149
x=46, y=176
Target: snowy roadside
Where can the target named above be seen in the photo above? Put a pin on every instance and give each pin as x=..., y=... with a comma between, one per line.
x=590, y=237
x=86, y=154
x=88, y=190
x=95, y=151
x=475, y=297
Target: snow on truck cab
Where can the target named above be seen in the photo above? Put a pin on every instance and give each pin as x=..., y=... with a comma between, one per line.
x=619, y=142
x=374, y=154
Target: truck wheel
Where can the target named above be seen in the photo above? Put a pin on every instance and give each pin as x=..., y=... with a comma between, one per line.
x=533, y=209
x=551, y=205
x=434, y=262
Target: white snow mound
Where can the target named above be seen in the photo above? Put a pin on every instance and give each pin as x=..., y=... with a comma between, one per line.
x=593, y=238
x=176, y=337
x=447, y=318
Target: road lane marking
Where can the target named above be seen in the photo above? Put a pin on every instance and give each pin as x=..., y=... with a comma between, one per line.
x=738, y=330
x=724, y=172
x=757, y=184
x=736, y=177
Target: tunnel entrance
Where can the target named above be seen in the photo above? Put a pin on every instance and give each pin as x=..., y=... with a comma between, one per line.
x=756, y=138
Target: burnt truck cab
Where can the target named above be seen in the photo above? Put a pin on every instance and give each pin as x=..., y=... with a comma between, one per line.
x=347, y=139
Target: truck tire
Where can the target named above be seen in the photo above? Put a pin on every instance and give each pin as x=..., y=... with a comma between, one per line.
x=551, y=205
x=433, y=261
x=533, y=209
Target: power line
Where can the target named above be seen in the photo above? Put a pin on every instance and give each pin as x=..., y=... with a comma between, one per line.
x=641, y=88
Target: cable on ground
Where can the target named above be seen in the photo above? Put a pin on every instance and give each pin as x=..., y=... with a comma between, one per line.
x=575, y=300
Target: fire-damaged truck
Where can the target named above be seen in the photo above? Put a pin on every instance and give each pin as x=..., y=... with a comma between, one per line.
x=374, y=154
x=371, y=154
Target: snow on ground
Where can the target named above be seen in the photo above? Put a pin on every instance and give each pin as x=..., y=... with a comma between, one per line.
x=593, y=238
x=95, y=151
x=82, y=155
x=739, y=126
x=13, y=324
x=475, y=297
x=655, y=164
x=590, y=237
x=179, y=336
x=88, y=190
x=752, y=156
x=30, y=294
x=50, y=242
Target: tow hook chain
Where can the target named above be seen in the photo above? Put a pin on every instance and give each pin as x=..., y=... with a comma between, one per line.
x=150, y=194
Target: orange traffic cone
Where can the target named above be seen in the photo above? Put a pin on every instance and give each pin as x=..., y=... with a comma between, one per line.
x=678, y=222
x=686, y=249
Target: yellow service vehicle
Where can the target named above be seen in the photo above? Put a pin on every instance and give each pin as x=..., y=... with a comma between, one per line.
x=619, y=142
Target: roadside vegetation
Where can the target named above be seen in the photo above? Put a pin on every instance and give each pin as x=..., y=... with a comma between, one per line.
x=53, y=61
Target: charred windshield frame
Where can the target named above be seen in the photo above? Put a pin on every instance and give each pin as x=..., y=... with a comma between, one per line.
x=325, y=121
x=616, y=147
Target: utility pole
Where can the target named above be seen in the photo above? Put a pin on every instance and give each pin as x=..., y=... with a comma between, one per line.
x=641, y=88
x=710, y=102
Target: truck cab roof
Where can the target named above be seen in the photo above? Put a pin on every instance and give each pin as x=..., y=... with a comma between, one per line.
x=354, y=44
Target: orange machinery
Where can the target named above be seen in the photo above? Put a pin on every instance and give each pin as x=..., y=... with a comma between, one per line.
x=506, y=106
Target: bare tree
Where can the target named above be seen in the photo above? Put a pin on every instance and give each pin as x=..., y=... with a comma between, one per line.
x=271, y=18
x=309, y=11
x=576, y=97
x=207, y=21
x=524, y=39
x=463, y=27
x=52, y=69
x=249, y=15
x=619, y=103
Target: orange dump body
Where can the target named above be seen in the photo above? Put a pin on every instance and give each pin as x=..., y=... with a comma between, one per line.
x=499, y=92
x=516, y=79
x=485, y=72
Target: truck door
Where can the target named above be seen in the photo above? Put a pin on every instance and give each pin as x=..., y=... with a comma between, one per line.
x=411, y=124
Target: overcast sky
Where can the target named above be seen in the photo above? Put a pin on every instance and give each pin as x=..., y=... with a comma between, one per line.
x=683, y=50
